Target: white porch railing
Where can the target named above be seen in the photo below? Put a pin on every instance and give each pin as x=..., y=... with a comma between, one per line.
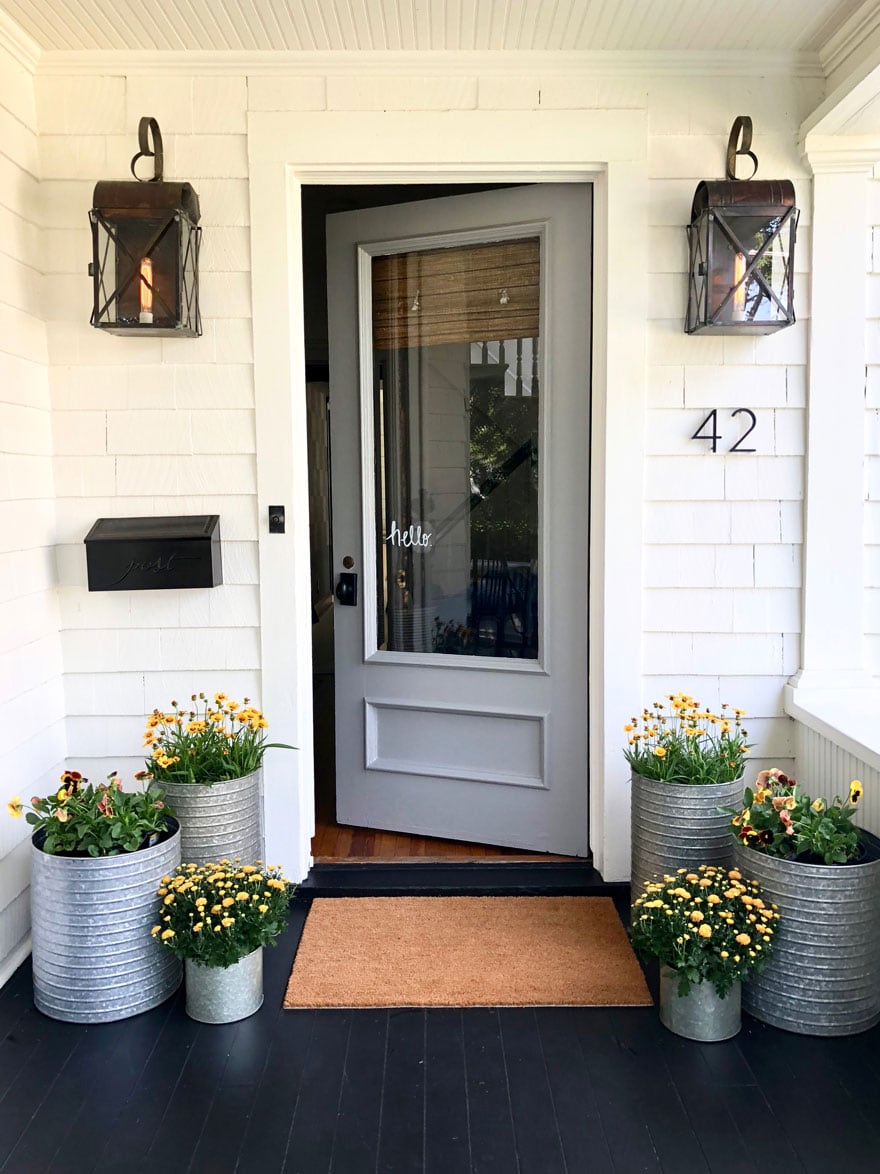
x=834, y=744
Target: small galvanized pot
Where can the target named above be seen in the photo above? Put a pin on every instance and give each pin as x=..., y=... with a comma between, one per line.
x=701, y=1014
x=93, y=958
x=224, y=994
x=675, y=825
x=221, y=820
x=823, y=977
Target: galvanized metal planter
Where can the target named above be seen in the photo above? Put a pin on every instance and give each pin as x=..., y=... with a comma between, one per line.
x=824, y=975
x=679, y=826
x=223, y=820
x=701, y=1014
x=93, y=958
x=218, y=994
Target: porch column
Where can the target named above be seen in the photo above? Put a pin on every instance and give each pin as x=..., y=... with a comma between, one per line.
x=832, y=653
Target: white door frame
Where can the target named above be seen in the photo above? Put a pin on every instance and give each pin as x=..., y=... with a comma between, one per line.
x=606, y=147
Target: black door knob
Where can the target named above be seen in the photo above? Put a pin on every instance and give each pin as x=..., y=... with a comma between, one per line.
x=347, y=588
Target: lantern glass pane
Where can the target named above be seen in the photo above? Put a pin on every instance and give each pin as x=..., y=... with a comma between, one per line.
x=189, y=315
x=753, y=271
x=155, y=240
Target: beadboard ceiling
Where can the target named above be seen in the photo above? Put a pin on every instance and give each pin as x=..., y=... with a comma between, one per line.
x=796, y=26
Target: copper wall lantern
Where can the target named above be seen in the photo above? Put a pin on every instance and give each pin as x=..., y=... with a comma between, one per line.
x=145, y=250
x=741, y=249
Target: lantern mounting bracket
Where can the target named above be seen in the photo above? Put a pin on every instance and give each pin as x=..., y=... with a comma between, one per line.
x=148, y=128
x=739, y=143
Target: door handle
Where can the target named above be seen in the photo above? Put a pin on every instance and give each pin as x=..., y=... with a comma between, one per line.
x=347, y=588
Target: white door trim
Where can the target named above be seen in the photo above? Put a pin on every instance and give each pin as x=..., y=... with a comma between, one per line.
x=606, y=147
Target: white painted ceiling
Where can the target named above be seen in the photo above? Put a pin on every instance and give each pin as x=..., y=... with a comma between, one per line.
x=245, y=25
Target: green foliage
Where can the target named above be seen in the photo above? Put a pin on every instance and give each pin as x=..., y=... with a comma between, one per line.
x=710, y=925
x=217, y=914
x=206, y=744
x=779, y=819
x=504, y=470
x=82, y=820
x=682, y=743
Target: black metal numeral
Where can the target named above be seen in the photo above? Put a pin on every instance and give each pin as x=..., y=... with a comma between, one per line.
x=748, y=431
x=714, y=435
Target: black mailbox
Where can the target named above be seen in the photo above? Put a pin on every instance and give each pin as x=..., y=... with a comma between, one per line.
x=150, y=554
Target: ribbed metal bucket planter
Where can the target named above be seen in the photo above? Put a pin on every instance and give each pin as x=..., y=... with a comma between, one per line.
x=93, y=958
x=824, y=974
x=218, y=994
x=679, y=826
x=701, y=1014
x=220, y=821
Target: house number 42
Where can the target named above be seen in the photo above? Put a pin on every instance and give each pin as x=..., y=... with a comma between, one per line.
x=708, y=430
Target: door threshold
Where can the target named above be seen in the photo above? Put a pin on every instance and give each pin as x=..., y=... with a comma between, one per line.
x=457, y=877
x=524, y=858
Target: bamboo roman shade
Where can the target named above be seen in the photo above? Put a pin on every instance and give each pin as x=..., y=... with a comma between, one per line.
x=471, y=293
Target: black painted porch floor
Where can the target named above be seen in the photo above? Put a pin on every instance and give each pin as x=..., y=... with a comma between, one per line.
x=512, y=1091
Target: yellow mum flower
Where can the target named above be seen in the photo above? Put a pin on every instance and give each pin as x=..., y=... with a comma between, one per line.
x=227, y=921
x=696, y=916
x=155, y=930
x=263, y=908
x=169, y=900
x=216, y=929
x=242, y=896
x=743, y=939
x=227, y=901
x=166, y=934
x=197, y=928
x=705, y=931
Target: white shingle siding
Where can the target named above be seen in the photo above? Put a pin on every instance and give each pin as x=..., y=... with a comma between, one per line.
x=31, y=690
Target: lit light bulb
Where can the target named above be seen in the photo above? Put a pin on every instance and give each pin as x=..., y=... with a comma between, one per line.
x=146, y=287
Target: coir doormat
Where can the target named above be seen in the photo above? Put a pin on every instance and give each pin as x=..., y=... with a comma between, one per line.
x=464, y=952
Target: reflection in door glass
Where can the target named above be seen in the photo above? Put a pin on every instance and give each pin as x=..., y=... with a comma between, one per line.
x=456, y=394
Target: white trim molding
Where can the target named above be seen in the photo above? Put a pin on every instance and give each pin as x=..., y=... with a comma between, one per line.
x=832, y=647
x=609, y=147
x=23, y=48
x=856, y=37
x=14, y=959
x=427, y=63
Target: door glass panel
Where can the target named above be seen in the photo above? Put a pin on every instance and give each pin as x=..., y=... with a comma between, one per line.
x=456, y=392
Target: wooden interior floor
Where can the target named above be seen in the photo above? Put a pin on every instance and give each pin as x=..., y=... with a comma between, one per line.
x=336, y=843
